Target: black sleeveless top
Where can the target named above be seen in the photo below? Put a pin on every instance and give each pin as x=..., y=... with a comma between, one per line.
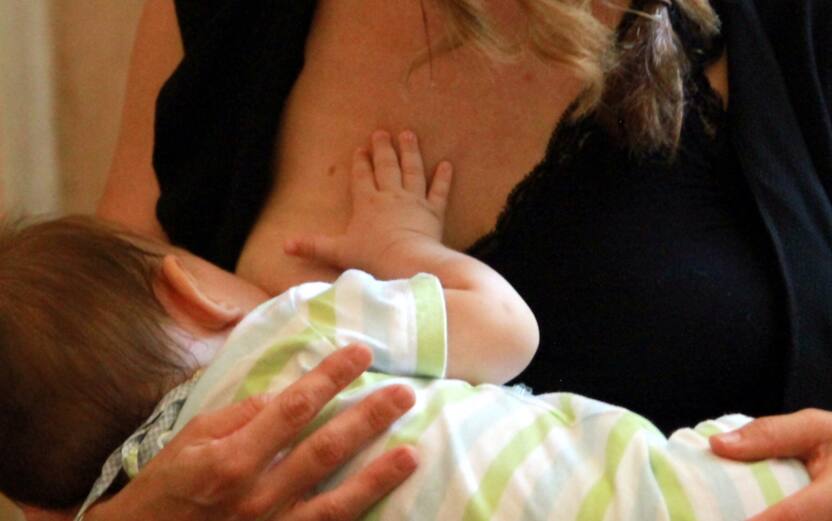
x=655, y=283
x=653, y=279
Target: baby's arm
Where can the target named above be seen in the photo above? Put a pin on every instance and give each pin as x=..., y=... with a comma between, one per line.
x=395, y=232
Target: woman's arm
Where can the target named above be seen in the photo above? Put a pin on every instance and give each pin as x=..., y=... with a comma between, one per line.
x=131, y=191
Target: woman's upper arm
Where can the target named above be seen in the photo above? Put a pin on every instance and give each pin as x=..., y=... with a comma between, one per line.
x=132, y=190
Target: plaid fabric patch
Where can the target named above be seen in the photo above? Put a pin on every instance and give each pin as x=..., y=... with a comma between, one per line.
x=142, y=445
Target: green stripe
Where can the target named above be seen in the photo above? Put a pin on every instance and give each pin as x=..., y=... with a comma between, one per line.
x=678, y=504
x=708, y=429
x=130, y=462
x=322, y=314
x=360, y=384
x=430, y=325
x=322, y=324
x=414, y=430
x=599, y=497
x=495, y=481
x=567, y=408
x=764, y=475
x=272, y=363
x=768, y=483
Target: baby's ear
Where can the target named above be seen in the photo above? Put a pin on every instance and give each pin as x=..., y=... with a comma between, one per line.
x=181, y=295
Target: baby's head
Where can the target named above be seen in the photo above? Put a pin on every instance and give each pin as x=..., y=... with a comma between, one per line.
x=86, y=348
x=84, y=354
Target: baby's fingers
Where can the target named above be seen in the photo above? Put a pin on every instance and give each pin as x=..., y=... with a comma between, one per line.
x=385, y=162
x=315, y=247
x=363, y=183
x=440, y=187
x=413, y=169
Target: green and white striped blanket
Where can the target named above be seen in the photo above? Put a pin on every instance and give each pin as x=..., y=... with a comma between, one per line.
x=486, y=451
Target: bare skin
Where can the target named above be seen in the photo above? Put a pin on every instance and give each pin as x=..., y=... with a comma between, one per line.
x=462, y=112
x=346, y=91
x=461, y=105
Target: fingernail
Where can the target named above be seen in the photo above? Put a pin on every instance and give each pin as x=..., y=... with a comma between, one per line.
x=405, y=460
x=381, y=134
x=360, y=356
x=730, y=438
x=402, y=397
x=408, y=136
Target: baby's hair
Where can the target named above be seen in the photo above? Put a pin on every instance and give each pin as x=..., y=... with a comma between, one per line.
x=84, y=354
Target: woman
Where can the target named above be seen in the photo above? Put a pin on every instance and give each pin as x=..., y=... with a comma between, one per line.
x=659, y=237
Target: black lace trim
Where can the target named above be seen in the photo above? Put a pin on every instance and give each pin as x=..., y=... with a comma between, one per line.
x=570, y=135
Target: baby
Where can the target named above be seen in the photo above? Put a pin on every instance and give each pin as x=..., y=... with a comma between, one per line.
x=97, y=326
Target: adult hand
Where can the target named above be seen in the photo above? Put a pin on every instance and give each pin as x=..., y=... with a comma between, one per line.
x=805, y=435
x=221, y=466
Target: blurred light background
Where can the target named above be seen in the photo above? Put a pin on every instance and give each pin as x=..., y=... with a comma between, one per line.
x=63, y=67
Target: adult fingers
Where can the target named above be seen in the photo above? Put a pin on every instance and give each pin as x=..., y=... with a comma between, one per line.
x=222, y=467
x=440, y=187
x=788, y=435
x=413, y=170
x=333, y=444
x=255, y=445
x=363, y=183
x=218, y=424
x=812, y=503
x=359, y=492
x=385, y=162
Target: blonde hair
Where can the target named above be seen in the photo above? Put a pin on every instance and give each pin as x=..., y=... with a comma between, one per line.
x=633, y=76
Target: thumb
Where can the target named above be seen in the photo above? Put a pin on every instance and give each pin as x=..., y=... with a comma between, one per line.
x=810, y=503
x=783, y=436
x=314, y=247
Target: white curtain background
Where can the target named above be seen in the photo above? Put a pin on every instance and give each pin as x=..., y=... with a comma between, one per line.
x=63, y=67
x=29, y=148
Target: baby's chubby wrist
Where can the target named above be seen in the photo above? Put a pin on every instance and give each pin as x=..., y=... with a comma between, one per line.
x=411, y=254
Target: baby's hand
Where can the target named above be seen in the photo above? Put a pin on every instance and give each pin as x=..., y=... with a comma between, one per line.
x=392, y=208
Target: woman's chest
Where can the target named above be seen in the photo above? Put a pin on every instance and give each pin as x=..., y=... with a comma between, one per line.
x=492, y=121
